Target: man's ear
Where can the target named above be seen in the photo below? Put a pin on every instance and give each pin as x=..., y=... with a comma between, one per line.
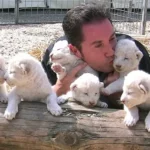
x=143, y=87
x=75, y=51
x=139, y=55
x=24, y=68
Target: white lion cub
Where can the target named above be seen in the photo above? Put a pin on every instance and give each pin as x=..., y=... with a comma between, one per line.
x=3, y=90
x=30, y=83
x=64, y=60
x=136, y=94
x=86, y=90
x=127, y=58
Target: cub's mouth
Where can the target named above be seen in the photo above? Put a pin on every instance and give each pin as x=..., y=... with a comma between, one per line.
x=55, y=59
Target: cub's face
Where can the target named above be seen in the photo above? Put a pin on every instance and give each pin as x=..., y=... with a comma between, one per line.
x=127, y=56
x=86, y=92
x=2, y=70
x=62, y=56
x=133, y=94
x=17, y=74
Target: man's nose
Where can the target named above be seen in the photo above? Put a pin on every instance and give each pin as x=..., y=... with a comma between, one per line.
x=109, y=52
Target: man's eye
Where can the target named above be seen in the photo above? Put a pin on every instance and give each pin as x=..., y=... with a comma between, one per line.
x=98, y=45
x=113, y=38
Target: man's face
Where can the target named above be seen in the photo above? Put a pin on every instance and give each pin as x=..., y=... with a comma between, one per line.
x=98, y=45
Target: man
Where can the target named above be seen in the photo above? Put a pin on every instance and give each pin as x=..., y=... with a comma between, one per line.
x=91, y=36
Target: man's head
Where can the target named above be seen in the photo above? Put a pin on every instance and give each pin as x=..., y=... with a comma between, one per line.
x=91, y=35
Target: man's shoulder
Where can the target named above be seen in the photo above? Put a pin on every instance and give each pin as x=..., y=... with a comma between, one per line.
x=138, y=43
x=123, y=36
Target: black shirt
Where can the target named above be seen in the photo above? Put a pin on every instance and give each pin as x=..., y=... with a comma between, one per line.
x=144, y=63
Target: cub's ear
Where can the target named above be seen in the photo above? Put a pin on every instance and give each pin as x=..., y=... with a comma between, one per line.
x=73, y=86
x=25, y=68
x=101, y=85
x=139, y=55
x=143, y=87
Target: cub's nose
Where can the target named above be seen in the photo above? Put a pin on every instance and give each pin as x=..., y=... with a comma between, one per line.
x=123, y=101
x=92, y=103
x=118, y=66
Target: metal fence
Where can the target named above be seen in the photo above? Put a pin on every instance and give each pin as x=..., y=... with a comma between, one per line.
x=129, y=16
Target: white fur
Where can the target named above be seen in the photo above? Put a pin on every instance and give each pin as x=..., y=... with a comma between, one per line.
x=64, y=60
x=30, y=83
x=86, y=90
x=136, y=94
x=128, y=57
x=3, y=90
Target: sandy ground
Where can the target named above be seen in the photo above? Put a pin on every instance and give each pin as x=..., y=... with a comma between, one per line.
x=24, y=38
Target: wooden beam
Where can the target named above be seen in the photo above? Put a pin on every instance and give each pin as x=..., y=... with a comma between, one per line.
x=79, y=128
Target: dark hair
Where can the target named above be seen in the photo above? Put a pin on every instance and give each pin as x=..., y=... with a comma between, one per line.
x=80, y=15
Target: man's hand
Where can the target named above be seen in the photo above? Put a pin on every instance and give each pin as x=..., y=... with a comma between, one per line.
x=63, y=86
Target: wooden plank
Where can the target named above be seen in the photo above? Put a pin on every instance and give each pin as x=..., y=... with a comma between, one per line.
x=79, y=128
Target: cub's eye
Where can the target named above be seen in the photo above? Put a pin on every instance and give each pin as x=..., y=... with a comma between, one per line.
x=96, y=93
x=125, y=58
x=12, y=72
x=58, y=49
x=86, y=94
x=129, y=93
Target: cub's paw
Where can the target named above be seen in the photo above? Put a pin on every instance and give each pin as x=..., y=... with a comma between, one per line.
x=10, y=114
x=61, y=100
x=56, y=111
x=147, y=124
x=3, y=99
x=102, y=104
x=105, y=91
x=130, y=120
x=57, y=68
